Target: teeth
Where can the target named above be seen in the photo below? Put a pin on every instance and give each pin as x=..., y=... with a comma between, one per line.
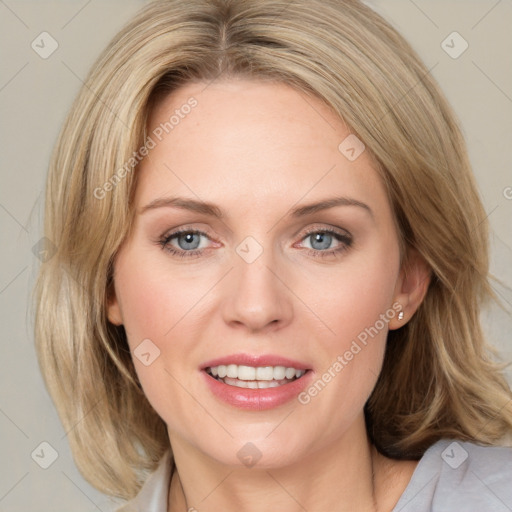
x=290, y=373
x=232, y=371
x=271, y=384
x=251, y=373
x=280, y=372
x=253, y=384
x=265, y=373
x=245, y=372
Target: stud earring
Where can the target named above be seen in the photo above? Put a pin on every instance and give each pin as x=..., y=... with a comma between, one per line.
x=401, y=315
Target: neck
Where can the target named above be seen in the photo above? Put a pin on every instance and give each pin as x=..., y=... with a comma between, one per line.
x=346, y=475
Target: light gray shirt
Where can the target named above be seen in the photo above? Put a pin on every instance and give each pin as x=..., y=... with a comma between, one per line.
x=452, y=476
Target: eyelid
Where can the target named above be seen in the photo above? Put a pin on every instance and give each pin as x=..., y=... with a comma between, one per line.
x=344, y=238
x=171, y=233
x=324, y=229
x=183, y=230
x=312, y=229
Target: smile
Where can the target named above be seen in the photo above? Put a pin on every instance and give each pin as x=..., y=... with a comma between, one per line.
x=254, y=377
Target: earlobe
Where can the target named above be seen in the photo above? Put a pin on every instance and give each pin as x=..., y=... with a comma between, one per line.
x=411, y=288
x=113, y=310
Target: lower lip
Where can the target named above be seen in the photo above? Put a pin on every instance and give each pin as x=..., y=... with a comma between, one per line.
x=257, y=399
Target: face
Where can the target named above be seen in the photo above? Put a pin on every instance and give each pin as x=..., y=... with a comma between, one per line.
x=231, y=268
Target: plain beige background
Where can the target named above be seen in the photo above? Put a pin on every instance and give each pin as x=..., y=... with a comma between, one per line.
x=35, y=94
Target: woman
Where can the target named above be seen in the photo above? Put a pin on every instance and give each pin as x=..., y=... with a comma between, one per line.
x=271, y=261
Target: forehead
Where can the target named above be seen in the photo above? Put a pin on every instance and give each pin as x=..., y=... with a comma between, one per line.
x=265, y=142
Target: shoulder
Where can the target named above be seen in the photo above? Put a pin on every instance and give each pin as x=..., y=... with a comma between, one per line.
x=457, y=475
x=153, y=495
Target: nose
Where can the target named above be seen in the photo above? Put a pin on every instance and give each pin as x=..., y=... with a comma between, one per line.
x=258, y=297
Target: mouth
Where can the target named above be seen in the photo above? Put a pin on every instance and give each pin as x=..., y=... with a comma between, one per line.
x=256, y=382
x=255, y=377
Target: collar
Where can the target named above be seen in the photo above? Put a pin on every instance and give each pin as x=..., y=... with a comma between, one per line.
x=153, y=495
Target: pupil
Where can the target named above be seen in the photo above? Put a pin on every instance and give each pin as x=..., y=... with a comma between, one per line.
x=323, y=240
x=187, y=239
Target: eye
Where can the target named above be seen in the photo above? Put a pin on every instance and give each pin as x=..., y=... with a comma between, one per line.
x=184, y=243
x=327, y=242
x=320, y=242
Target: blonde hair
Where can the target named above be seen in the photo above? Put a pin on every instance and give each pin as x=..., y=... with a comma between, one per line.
x=438, y=379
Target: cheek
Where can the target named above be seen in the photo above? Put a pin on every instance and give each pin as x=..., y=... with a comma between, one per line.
x=150, y=309
x=356, y=304
x=354, y=299
x=162, y=307
x=153, y=302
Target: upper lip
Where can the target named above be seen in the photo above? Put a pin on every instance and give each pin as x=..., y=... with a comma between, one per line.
x=256, y=360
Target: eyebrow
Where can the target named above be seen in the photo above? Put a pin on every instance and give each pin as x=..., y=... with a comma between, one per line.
x=214, y=211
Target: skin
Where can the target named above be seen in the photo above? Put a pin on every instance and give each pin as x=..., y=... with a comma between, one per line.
x=257, y=150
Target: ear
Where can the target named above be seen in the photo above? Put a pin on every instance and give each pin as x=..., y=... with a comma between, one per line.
x=411, y=287
x=113, y=310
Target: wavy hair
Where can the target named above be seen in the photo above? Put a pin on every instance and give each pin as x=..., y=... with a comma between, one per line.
x=439, y=377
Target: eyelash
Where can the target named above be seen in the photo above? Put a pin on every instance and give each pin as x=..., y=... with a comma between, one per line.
x=345, y=239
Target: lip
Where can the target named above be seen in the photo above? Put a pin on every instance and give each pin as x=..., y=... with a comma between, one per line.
x=257, y=399
x=256, y=360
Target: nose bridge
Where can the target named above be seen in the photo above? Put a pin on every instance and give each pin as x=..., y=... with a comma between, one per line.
x=258, y=298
